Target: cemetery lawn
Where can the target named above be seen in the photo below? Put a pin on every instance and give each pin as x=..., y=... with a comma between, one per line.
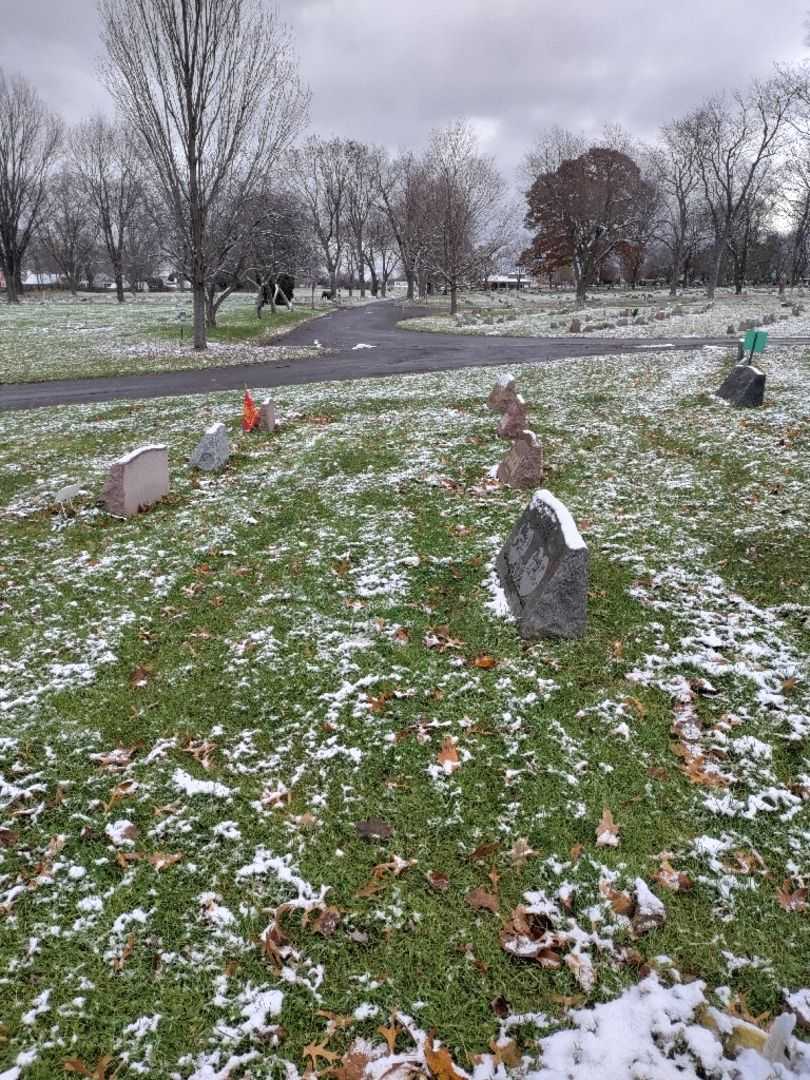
x=621, y=314
x=276, y=775
x=94, y=336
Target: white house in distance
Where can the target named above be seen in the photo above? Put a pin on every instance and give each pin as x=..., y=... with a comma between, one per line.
x=516, y=279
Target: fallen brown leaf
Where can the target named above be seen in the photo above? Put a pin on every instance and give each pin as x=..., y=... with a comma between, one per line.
x=479, y=899
x=374, y=829
x=607, y=831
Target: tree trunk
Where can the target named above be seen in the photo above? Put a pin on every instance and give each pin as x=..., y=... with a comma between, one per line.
x=200, y=338
x=409, y=277
x=582, y=291
x=453, y=299
x=333, y=282
x=119, y=287
x=361, y=272
x=714, y=276
x=210, y=308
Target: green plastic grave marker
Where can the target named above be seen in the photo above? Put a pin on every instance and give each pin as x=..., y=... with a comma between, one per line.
x=755, y=342
x=748, y=341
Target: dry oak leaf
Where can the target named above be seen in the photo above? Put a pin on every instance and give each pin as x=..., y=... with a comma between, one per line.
x=479, y=899
x=327, y=922
x=76, y=1065
x=607, y=831
x=390, y=1035
x=161, y=859
x=438, y=881
x=621, y=902
x=521, y=852
x=575, y=853
x=791, y=901
x=140, y=676
x=485, y=662
x=484, y=851
x=119, y=961
x=8, y=837
x=439, y=1062
x=316, y=1050
x=448, y=756
x=672, y=879
x=374, y=829
x=507, y=1053
x=352, y=1067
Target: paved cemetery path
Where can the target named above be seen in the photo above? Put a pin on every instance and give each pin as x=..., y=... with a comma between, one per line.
x=394, y=352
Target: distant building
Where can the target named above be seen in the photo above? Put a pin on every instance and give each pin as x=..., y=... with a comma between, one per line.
x=508, y=282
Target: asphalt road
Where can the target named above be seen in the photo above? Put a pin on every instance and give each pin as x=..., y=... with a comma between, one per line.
x=395, y=352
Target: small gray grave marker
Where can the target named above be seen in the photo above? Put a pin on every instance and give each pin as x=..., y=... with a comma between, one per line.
x=212, y=451
x=267, y=414
x=543, y=570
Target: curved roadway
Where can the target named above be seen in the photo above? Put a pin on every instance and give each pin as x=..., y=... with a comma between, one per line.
x=395, y=352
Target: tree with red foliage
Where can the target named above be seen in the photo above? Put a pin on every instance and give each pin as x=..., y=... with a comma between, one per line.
x=581, y=212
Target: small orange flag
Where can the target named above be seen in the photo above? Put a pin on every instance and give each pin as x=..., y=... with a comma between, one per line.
x=250, y=414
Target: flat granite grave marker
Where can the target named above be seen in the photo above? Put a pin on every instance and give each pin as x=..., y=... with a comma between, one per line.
x=522, y=467
x=212, y=451
x=543, y=570
x=503, y=392
x=267, y=416
x=137, y=481
x=743, y=387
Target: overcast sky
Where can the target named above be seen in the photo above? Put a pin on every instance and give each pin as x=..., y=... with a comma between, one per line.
x=388, y=71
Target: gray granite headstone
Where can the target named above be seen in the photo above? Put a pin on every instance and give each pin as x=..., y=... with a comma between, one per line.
x=543, y=570
x=137, y=481
x=212, y=451
x=743, y=387
x=267, y=416
x=514, y=419
x=503, y=392
x=522, y=467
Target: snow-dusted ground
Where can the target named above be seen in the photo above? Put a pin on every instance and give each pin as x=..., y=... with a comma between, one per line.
x=657, y=315
x=163, y=841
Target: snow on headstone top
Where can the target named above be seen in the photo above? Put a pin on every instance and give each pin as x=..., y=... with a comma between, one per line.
x=543, y=570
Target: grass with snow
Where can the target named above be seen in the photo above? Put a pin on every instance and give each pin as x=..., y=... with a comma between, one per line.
x=622, y=314
x=198, y=707
x=93, y=336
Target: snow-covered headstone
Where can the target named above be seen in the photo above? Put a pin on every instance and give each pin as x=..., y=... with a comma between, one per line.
x=137, y=481
x=543, y=570
x=212, y=451
x=743, y=387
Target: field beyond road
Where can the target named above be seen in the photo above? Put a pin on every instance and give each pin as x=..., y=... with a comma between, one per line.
x=281, y=789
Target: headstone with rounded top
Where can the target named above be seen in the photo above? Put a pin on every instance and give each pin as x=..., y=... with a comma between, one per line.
x=522, y=467
x=503, y=392
x=543, y=571
x=137, y=481
x=212, y=451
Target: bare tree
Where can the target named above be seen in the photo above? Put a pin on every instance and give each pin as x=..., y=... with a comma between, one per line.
x=322, y=169
x=211, y=90
x=29, y=140
x=675, y=166
x=106, y=165
x=736, y=144
x=381, y=251
x=361, y=194
x=465, y=205
x=402, y=186
x=66, y=231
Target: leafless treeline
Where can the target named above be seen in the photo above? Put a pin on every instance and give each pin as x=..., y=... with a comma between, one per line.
x=205, y=174
x=723, y=196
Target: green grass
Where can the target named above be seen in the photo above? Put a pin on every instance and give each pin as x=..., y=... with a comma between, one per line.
x=93, y=336
x=301, y=542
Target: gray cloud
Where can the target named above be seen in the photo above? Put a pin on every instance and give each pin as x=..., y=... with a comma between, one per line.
x=388, y=72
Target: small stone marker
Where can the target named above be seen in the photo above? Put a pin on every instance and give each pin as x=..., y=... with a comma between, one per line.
x=543, y=570
x=212, y=451
x=66, y=495
x=743, y=387
x=503, y=392
x=137, y=481
x=514, y=419
x=522, y=467
x=267, y=416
